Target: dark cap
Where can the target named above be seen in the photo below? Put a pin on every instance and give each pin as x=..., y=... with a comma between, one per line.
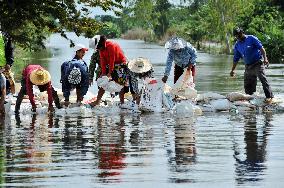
x=237, y=31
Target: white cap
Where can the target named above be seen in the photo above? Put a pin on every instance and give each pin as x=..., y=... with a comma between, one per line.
x=80, y=47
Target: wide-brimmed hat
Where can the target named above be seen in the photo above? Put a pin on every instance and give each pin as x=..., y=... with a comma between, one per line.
x=80, y=47
x=175, y=43
x=40, y=77
x=139, y=65
x=93, y=42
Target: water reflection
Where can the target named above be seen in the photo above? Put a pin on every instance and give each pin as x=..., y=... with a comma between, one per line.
x=184, y=150
x=251, y=165
x=111, y=153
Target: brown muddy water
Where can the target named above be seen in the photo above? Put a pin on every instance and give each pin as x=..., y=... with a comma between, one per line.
x=147, y=150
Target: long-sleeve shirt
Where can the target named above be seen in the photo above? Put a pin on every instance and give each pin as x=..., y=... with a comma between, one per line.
x=249, y=50
x=182, y=57
x=66, y=86
x=29, y=85
x=110, y=55
x=94, y=66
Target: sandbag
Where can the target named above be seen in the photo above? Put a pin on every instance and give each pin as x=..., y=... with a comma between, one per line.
x=167, y=98
x=110, y=86
x=221, y=104
x=206, y=97
x=151, y=97
x=237, y=96
x=184, y=87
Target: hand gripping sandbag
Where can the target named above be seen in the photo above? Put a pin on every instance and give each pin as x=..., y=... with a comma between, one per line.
x=151, y=97
x=184, y=87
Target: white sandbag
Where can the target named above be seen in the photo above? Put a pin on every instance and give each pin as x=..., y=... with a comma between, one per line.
x=168, y=102
x=102, y=81
x=110, y=86
x=151, y=97
x=244, y=104
x=221, y=104
x=113, y=87
x=184, y=87
x=237, y=96
x=184, y=107
x=206, y=97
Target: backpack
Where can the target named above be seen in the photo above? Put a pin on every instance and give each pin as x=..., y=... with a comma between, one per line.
x=74, y=76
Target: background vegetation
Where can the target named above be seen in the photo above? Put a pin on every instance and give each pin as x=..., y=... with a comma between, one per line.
x=205, y=23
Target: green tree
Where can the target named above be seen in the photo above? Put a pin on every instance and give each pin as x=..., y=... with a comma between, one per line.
x=29, y=22
x=162, y=8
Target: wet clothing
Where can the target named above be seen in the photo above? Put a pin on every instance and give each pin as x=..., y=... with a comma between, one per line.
x=111, y=55
x=252, y=72
x=178, y=71
x=182, y=58
x=249, y=50
x=27, y=88
x=83, y=86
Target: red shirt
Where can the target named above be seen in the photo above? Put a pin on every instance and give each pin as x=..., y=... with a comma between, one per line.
x=29, y=85
x=110, y=55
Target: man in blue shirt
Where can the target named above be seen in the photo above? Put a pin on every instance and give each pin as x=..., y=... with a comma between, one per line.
x=184, y=56
x=250, y=49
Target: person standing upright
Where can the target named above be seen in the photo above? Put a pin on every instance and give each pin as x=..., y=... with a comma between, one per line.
x=7, y=60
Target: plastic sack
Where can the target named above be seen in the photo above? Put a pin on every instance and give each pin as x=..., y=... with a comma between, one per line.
x=151, y=97
x=221, y=104
x=167, y=98
x=184, y=87
x=110, y=86
x=237, y=96
x=206, y=97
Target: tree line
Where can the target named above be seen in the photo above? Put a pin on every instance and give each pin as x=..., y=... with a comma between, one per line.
x=30, y=22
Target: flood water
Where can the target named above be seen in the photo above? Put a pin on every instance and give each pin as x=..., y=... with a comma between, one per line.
x=147, y=150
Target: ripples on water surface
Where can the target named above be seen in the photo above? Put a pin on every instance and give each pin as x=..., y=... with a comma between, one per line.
x=148, y=150
x=143, y=150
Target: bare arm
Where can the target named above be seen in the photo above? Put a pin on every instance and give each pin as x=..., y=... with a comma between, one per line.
x=263, y=52
x=232, y=73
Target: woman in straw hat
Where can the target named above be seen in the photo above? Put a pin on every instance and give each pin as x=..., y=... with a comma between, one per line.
x=183, y=54
x=139, y=68
x=36, y=75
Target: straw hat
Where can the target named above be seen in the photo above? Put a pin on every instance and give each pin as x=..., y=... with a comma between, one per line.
x=176, y=43
x=40, y=77
x=139, y=65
